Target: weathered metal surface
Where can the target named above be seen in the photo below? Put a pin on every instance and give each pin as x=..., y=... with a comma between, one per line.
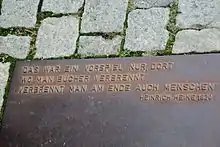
x=167, y=101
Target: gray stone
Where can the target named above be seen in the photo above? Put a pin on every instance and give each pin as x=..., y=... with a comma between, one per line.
x=4, y=73
x=62, y=6
x=57, y=37
x=151, y=3
x=96, y=45
x=199, y=13
x=147, y=30
x=104, y=15
x=19, y=13
x=197, y=41
x=15, y=46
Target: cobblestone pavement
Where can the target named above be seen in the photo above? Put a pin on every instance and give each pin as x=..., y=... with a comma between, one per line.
x=42, y=29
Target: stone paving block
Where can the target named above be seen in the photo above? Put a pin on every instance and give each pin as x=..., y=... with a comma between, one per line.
x=62, y=6
x=197, y=13
x=4, y=73
x=15, y=46
x=19, y=13
x=197, y=41
x=147, y=30
x=96, y=45
x=151, y=3
x=57, y=37
x=104, y=16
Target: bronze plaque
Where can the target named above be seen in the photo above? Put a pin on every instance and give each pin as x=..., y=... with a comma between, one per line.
x=171, y=101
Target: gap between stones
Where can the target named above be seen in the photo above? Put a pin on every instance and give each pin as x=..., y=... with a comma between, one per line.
x=153, y=7
x=1, y=6
x=7, y=88
x=105, y=35
x=81, y=11
x=171, y=27
x=130, y=7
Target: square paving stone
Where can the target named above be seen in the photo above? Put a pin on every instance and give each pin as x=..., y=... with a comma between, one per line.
x=15, y=46
x=197, y=41
x=62, y=6
x=147, y=29
x=104, y=16
x=97, y=45
x=57, y=37
x=198, y=13
x=18, y=13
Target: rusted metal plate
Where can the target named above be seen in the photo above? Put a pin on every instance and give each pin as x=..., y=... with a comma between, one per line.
x=171, y=101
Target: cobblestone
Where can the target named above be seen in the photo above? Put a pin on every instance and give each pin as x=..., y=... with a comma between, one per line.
x=15, y=46
x=104, y=16
x=19, y=13
x=4, y=73
x=62, y=6
x=151, y=3
x=57, y=37
x=199, y=13
x=96, y=45
x=197, y=41
x=147, y=30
